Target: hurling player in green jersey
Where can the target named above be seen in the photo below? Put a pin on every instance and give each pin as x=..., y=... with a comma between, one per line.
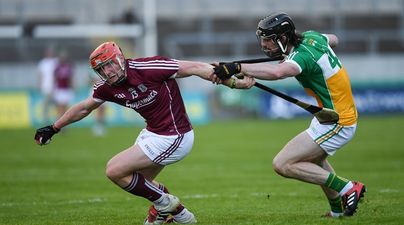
x=309, y=57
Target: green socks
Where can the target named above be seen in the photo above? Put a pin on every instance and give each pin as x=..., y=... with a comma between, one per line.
x=335, y=182
x=336, y=205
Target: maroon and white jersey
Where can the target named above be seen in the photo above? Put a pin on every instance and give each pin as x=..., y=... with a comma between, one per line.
x=151, y=92
x=63, y=75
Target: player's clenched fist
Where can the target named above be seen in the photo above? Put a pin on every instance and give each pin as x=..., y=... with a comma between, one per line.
x=43, y=135
x=226, y=70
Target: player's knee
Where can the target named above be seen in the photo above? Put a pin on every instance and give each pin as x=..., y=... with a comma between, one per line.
x=281, y=167
x=109, y=173
x=112, y=173
x=278, y=166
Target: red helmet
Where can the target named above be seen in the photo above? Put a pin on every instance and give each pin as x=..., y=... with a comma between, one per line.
x=108, y=62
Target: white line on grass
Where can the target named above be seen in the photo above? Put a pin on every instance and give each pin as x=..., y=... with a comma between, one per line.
x=388, y=190
x=101, y=200
x=215, y=195
x=70, y=202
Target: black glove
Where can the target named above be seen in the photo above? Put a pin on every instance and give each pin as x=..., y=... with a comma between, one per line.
x=226, y=70
x=43, y=135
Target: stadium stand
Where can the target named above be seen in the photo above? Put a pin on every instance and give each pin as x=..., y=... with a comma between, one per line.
x=366, y=27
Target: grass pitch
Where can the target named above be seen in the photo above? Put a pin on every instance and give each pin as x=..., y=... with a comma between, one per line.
x=227, y=178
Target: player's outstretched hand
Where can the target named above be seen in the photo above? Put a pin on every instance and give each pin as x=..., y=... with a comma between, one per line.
x=245, y=82
x=43, y=135
x=226, y=70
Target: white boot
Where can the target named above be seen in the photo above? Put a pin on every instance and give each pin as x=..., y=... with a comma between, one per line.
x=170, y=204
x=184, y=217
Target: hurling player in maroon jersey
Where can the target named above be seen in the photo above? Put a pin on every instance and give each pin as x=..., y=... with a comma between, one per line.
x=148, y=86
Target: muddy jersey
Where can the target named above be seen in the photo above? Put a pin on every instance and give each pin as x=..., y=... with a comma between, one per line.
x=151, y=92
x=323, y=76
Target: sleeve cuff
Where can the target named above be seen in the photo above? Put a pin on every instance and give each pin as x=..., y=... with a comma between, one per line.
x=294, y=62
x=98, y=100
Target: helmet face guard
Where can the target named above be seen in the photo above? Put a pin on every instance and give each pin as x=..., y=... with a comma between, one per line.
x=110, y=72
x=279, y=29
x=274, y=52
x=108, y=63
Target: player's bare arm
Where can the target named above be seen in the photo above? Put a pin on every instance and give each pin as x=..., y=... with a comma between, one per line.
x=200, y=69
x=77, y=112
x=245, y=82
x=111, y=73
x=206, y=72
x=269, y=71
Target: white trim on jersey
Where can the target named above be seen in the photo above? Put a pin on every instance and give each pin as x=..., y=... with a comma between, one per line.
x=171, y=109
x=98, y=84
x=95, y=87
x=326, y=37
x=312, y=54
x=154, y=64
x=173, y=76
x=98, y=100
x=324, y=63
x=295, y=63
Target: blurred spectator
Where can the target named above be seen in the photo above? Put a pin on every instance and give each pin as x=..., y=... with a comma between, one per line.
x=63, y=93
x=46, y=68
x=98, y=128
x=127, y=17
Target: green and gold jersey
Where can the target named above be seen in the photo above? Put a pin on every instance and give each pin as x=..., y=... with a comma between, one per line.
x=323, y=76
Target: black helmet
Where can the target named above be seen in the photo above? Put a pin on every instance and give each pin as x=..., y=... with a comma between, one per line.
x=274, y=27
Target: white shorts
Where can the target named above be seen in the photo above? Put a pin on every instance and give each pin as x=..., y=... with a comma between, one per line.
x=63, y=96
x=330, y=137
x=165, y=149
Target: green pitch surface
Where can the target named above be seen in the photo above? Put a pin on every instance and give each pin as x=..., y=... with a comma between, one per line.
x=227, y=178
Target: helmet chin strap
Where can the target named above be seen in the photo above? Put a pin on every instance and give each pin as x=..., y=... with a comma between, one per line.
x=283, y=49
